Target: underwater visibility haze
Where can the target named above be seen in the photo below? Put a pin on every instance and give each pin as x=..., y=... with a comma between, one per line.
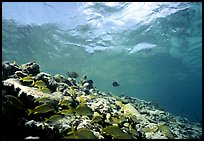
x=152, y=51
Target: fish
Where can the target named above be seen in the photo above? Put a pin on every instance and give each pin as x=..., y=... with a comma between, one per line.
x=83, y=110
x=65, y=102
x=44, y=99
x=97, y=117
x=81, y=99
x=124, y=136
x=73, y=74
x=65, y=112
x=53, y=119
x=115, y=84
x=39, y=84
x=27, y=79
x=82, y=133
x=44, y=108
x=114, y=131
x=44, y=90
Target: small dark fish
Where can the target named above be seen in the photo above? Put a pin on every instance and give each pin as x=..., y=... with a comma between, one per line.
x=115, y=84
x=73, y=74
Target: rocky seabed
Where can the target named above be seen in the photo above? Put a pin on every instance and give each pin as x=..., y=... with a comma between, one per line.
x=37, y=105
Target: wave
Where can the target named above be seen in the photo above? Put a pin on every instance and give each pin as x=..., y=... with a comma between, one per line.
x=142, y=46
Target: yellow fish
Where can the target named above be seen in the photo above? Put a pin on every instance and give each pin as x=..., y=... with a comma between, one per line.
x=65, y=102
x=26, y=79
x=44, y=90
x=39, y=84
x=82, y=133
x=53, y=119
x=83, y=110
x=44, y=99
x=97, y=117
x=41, y=109
x=114, y=131
x=65, y=111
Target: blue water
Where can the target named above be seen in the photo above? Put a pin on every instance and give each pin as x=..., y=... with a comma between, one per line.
x=153, y=50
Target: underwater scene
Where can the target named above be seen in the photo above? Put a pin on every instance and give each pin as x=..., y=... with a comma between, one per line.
x=102, y=70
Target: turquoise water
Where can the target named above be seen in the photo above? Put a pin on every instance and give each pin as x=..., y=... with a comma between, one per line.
x=153, y=50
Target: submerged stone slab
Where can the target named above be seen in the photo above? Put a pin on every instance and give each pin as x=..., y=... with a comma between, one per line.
x=23, y=89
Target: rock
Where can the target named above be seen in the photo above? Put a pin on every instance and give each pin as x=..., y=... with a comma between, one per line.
x=129, y=110
x=8, y=69
x=85, y=123
x=156, y=135
x=20, y=74
x=101, y=105
x=48, y=79
x=60, y=78
x=61, y=87
x=124, y=100
x=26, y=94
x=23, y=89
x=31, y=68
